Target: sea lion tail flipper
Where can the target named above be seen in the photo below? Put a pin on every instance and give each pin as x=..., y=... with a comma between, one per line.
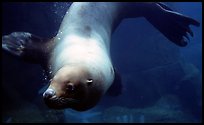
x=116, y=87
x=26, y=46
x=171, y=24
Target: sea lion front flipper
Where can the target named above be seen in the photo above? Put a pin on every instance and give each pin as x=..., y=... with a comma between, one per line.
x=27, y=46
x=171, y=24
x=116, y=87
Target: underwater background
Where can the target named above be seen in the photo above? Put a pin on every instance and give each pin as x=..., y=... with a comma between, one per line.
x=161, y=81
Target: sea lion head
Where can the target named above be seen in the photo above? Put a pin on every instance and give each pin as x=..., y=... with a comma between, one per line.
x=74, y=87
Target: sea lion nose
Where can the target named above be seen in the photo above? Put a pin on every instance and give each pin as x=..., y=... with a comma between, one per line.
x=49, y=93
x=70, y=87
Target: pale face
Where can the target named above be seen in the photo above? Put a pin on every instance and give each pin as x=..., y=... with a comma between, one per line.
x=74, y=87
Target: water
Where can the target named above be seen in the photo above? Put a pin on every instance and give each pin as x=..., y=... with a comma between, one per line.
x=161, y=81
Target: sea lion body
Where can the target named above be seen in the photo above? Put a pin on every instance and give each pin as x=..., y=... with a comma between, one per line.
x=83, y=44
x=78, y=57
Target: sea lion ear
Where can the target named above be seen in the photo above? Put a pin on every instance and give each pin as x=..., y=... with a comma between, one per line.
x=116, y=87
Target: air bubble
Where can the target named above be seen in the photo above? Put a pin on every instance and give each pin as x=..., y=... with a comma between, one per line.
x=50, y=67
x=45, y=78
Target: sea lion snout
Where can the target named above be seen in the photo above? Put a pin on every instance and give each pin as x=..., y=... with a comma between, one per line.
x=49, y=93
x=74, y=86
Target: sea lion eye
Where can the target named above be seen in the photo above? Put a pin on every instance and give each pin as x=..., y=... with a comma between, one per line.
x=89, y=81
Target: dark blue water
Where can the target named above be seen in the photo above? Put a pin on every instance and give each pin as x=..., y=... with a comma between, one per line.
x=161, y=81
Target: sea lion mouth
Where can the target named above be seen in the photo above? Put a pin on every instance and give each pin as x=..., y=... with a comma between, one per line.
x=61, y=102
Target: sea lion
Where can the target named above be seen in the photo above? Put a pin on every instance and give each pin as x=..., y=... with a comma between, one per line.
x=78, y=57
